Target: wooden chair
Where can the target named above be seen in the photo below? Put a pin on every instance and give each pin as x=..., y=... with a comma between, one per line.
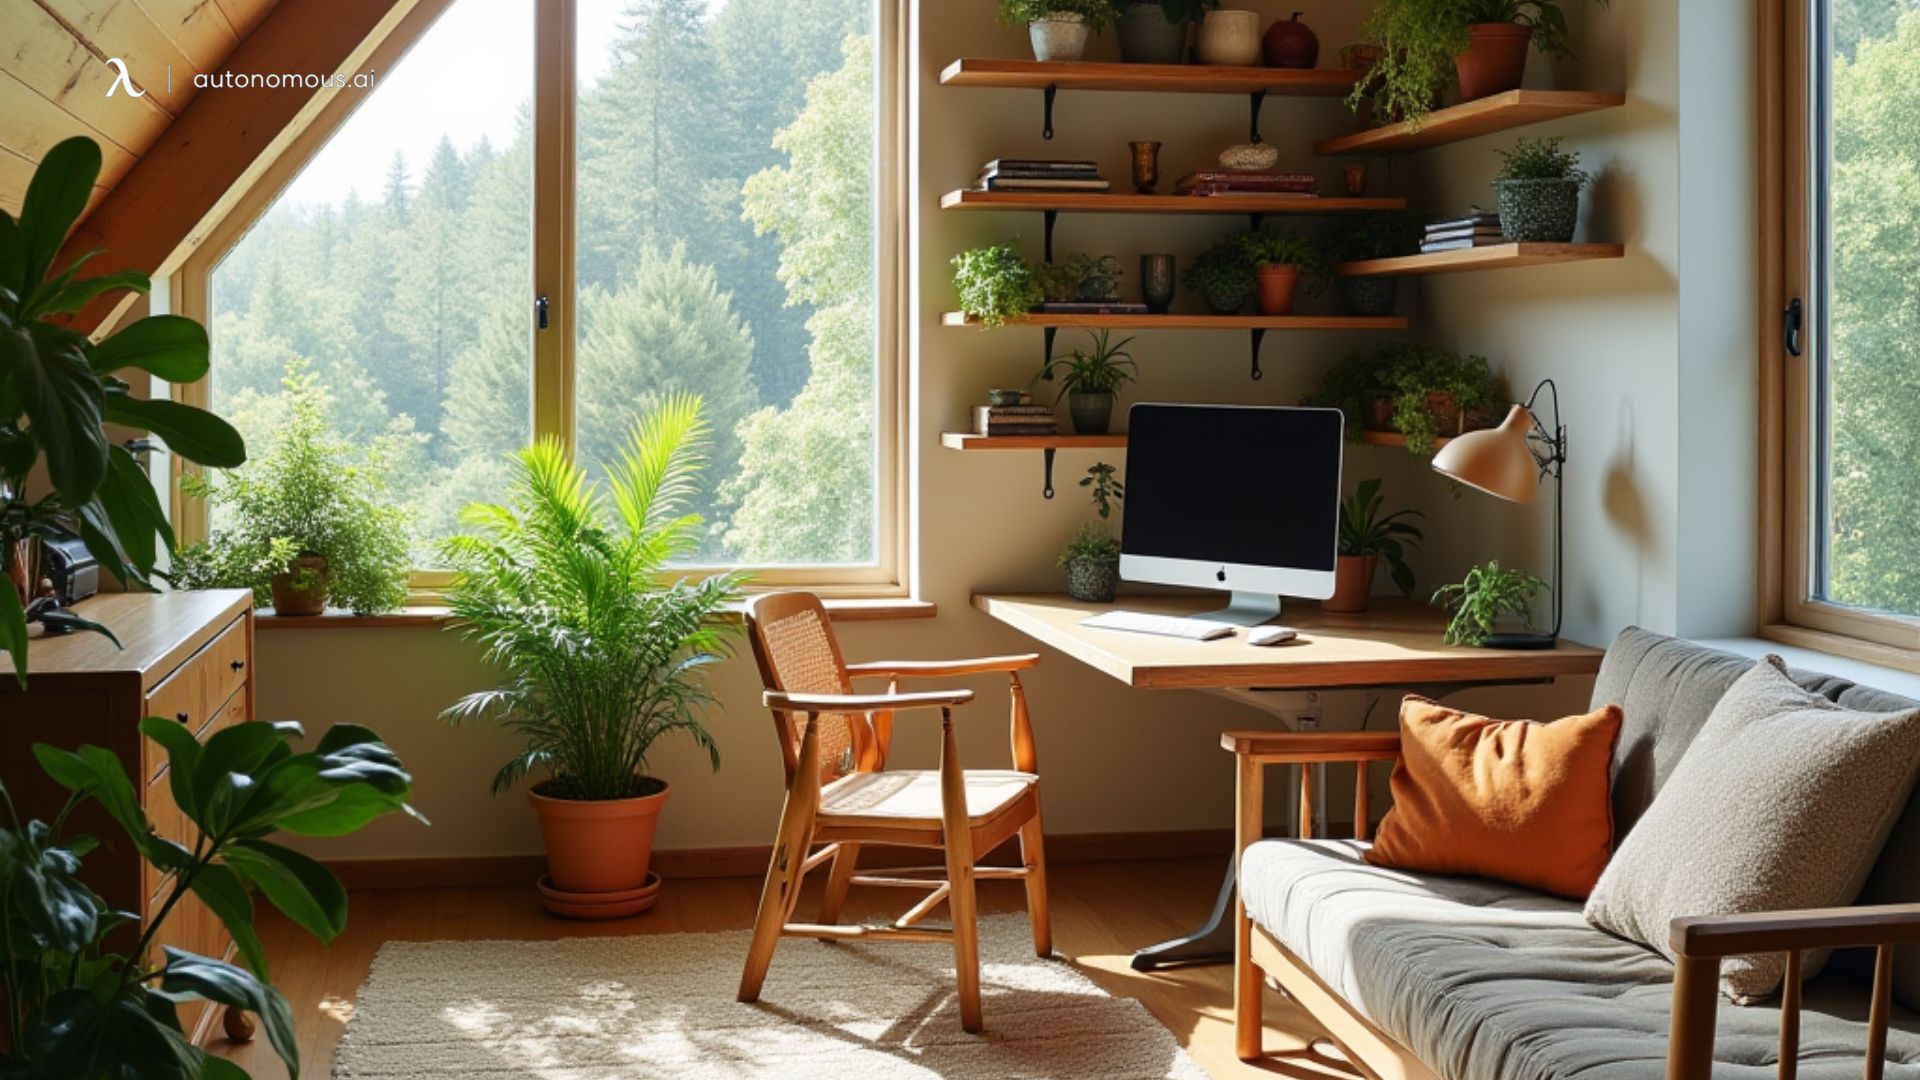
x=841, y=795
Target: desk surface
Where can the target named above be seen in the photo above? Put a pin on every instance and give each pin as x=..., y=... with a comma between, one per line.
x=1396, y=644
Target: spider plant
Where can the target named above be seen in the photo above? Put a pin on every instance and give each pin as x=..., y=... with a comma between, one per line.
x=602, y=654
x=1103, y=369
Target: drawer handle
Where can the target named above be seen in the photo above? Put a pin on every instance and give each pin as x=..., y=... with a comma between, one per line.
x=180, y=716
x=237, y=664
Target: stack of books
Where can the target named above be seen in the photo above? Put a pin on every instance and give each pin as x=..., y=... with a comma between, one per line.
x=1474, y=230
x=1025, y=418
x=1247, y=182
x=1040, y=174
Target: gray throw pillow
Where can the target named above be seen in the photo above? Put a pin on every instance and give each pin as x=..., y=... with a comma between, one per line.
x=1782, y=802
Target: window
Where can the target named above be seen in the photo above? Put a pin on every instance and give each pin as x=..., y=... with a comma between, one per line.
x=452, y=294
x=1849, y=245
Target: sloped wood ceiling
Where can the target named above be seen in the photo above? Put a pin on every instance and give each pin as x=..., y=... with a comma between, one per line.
x=54, y=75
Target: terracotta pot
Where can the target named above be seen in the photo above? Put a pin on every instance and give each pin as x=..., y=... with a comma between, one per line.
x=598, y=846
x=291, y=600
x=1229, y=38
x=1495, y=60
x=1277, y=286
x=1379, y=415
x=1352, y=584
x=1445, y=412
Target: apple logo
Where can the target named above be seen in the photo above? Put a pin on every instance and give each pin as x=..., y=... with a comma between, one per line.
x=1220, y=574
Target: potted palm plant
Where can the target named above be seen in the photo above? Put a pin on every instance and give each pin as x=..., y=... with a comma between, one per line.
x=1089, y=380
x=601, y=653
x=1366, y=537
x=1282, y=264
x=1058, y=29
x=1092, y=560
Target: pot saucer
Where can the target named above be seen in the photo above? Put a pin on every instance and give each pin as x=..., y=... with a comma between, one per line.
x=598, y=905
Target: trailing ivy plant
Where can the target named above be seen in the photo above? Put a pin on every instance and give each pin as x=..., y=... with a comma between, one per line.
x=1485, y=596
x=1418, y=40
x=1416, y=374
x=995, y=283
x=58, y=387
x=84, y=998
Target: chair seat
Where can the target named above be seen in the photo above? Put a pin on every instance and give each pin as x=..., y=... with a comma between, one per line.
x=912, y=796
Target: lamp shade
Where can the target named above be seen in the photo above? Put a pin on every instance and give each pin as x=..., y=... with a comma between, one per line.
x=1496, y=461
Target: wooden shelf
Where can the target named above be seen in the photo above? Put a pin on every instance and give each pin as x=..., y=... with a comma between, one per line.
x=1194, y=322
x=1159, y=78
x=1394, y=438
x=1109, y=203
x=960, y=440
x=1497, y=257
x=1468, y=120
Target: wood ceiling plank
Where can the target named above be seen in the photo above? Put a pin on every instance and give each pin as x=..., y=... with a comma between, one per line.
x=41, y=52
x=122, y=29
x=15, y=173
x=30, y=125
x=244, y=15
x=197, y=28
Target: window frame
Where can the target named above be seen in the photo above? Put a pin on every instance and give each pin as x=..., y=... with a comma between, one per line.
x=1792, y=154
x=552, y=226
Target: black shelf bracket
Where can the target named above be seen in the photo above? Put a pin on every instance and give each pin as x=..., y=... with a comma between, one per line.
x=1052, y=218
x=1256, y=220
x=1255, y=101
x=1046, y=120
x=1046, y=478
x=1047, y=347
x=1259, y=335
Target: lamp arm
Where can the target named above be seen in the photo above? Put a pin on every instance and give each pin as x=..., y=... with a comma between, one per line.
x=1554, y=439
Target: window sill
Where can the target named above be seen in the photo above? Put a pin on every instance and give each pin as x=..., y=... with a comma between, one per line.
x=840, y=609
x=1882, y=667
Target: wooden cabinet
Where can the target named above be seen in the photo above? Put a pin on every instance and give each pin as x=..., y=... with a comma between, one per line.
x=186, y=656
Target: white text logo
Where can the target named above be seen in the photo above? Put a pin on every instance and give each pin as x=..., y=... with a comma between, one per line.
x=122, y=79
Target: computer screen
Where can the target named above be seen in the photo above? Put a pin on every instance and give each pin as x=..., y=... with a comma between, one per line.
x=1255, y=486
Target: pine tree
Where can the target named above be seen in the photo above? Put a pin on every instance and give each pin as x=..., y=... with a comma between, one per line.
x=398, y=194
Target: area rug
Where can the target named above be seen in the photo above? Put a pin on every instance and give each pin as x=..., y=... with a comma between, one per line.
x=661, y=1005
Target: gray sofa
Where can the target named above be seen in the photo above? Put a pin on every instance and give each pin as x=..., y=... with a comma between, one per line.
x=1422, y=975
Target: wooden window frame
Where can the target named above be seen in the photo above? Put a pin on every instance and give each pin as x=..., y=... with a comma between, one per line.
x=1788, y=610
x=553, y=275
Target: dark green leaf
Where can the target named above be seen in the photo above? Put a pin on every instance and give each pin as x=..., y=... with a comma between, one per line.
x=303, y=889
x=97, y=772
x=13, y=257
x=47, y=368
x=183, y=760
x=103, y=543
x=126, y=1037
x=59, y=190
x=13, y=627
x=171, y=347
x=194, y=434
x=67, y=621
x=219, y=1068
x=225, y=894
x=71, y=296
x=225, y=774
x=214, y=980
x=134, y=508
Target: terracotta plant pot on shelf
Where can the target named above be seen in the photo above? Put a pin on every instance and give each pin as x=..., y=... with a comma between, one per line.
x=289, y=598
x=1495, y=60
x=1278, y=283
x=599, y=852
x=1352, y=584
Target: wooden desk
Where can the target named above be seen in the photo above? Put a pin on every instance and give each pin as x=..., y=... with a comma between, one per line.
x=1395, y=645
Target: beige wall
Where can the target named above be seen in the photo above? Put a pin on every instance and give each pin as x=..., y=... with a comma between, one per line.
x=1115, y=759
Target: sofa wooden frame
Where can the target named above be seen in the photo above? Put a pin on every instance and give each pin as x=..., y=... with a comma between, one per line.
x=1700, y=943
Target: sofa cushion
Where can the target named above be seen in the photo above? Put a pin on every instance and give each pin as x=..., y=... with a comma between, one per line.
x=1493, y=982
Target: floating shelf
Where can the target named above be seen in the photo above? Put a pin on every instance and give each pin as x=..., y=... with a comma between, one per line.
x=1104, y=203
x=1496, y=257
x=1192, y=322
x=1160, y=78
x=1468, y=120
x=1394, y=438
x=960, y=440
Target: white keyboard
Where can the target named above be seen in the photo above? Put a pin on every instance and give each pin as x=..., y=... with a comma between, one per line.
x=1166, y=625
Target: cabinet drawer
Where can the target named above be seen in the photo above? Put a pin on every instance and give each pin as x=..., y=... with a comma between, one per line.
x=198, y=688
x=162, y=812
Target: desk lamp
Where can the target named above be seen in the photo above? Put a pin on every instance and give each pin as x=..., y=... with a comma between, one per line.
x=1508, y=462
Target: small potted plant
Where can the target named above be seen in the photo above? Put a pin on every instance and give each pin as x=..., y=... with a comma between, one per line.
x=1485, y=597
x=603, y=651
x=995, y=284
x=1090, y=378
x=1382, y=235
x=1282, y=264
x=1436, y=393
x=1357, y=386
x=1366, y=537
x=1223, y=276
x=1425, y=45
x=1155, y=31
x=1538, y=188
x=1059, y=28
x=306, y=525
x=1092, y=560
x=1080, y=279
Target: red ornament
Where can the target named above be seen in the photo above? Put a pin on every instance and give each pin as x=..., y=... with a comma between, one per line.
x=1290, y=44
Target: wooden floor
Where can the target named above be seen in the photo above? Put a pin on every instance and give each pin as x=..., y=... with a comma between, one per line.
x=1101, y=912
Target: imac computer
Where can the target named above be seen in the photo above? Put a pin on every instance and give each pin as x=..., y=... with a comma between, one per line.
x=1243, y=499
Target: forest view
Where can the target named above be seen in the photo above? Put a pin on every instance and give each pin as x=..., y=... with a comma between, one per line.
x=724, y=245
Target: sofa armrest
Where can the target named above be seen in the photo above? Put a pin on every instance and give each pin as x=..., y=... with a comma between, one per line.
x=1721, y=936
x=1293, y=748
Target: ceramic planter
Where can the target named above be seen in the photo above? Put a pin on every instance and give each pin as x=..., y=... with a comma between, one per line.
x=1059, y=36
x=1538, y=211
x=1229, y=39
x=1495, y=60
x=1277, y=284
x=1369, y=296
x=1352, y=584
x=602, y=846
x=1146, y=37
x=1093, y=581
x=1091, y=410
x=1156, y=282
x=289, y=600
x=1227, y=299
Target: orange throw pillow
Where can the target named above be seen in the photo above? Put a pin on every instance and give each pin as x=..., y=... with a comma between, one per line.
x=1512, y=800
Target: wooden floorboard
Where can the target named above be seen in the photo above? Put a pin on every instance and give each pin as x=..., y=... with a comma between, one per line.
x=1101, y=913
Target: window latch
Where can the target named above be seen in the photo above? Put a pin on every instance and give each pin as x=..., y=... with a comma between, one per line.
x=1792, y=319
x=540, y=312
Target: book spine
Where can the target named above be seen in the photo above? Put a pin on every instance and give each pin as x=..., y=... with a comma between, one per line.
x=1457, y=245
x=1040, y=164
x=1047, y=185
x=1036, y=174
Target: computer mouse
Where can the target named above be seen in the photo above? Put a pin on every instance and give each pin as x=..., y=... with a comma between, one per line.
x=1271, y=635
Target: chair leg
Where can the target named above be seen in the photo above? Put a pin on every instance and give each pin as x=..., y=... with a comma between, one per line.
x=960, y=901
x=782, y=888
x=839, y=880
x=1033, y=855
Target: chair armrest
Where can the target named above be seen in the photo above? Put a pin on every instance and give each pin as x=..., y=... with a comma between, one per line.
x=933, y=669
x=859, y=703
x=1279, y=747
x=1720, y=936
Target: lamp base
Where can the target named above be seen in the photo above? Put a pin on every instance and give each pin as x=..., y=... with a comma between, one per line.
x=1529, y=640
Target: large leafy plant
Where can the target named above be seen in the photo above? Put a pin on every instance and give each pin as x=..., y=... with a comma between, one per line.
x=80, y=1003
x=58, y=387
x=601, y=653
x=1365, y=530
x=309, y=494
